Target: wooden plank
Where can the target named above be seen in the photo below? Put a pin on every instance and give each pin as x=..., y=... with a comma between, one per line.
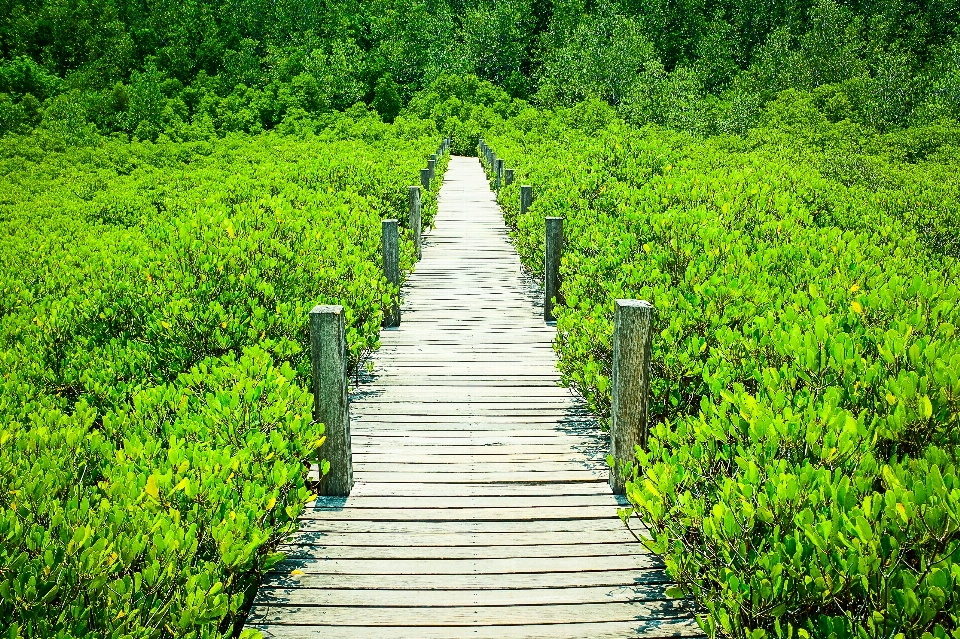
x=381, y=541
x=584, y=526
x=490, y=455
x=447, y=501
x=473, y=566
x=448, y=583
x=651, y=629
x=319, y=551
x=362, y=488
x=470, y=615
x=538, y=513
x=449, y=598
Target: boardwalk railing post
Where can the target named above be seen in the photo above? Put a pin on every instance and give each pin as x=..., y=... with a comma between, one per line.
x=526, y=198
x=499, y=172
x=414, y=198
x=425, y=179
x=551, y=265
x=328, y=354
x=391, y=270
x=432, y=165
x=632, y=337
x=507, y=177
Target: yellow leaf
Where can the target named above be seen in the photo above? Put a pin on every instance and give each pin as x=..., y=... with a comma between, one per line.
x=120, y=614
x=854, y=288
x=891, y=399
x=166, y=325
x=223, y=324
x=149, y=279
x=151, y=488
x=271, y=503
x=902, y=511
x=926, y=408
x=857, y=307
x=296, y=572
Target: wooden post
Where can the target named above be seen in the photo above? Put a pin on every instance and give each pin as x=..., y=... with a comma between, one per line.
x=391, y=270
x=551, y=265
x=498, y=170
x=526, y=198
x=425, y=179
x=414, y=199
x=432, y=166
x=507, y=177
x=328, y=354
x=632, y=336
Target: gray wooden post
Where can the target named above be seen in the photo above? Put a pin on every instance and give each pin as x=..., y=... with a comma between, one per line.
x=425, y=179
x=391, y=270
x=632, y=336
x=551, y=265
x=507, y=177
x=498, y=169
x=414, y=199
x=432, y=166
x=526, y=198
x=328, y=354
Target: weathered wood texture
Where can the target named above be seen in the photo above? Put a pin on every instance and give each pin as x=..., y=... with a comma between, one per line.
x=551, y=265
x=391, y=269
x=481, y=507
x=413, y=198
x=328, y=352
x=632, y=334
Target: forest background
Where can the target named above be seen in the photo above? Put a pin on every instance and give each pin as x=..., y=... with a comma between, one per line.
x=190, y=69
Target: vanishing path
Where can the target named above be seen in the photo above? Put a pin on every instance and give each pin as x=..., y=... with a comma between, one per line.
x=481, y=507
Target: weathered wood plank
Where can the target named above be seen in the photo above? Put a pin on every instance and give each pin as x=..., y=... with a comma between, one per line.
x=473, y=566
x=383, y=542
x=449, y=598
x=452, y=583
x=319, y=551
x=470, y=615
x=447, y=501
x=652, y=629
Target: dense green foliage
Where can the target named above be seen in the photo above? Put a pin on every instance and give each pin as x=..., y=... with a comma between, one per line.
x=154, y=422
x=197, y=68
x=801, y=470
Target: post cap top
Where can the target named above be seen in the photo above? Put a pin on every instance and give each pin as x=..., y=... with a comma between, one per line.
x=326, y=309
x=635, y=303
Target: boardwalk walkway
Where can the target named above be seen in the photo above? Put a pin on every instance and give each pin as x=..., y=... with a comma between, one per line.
x=481, y=507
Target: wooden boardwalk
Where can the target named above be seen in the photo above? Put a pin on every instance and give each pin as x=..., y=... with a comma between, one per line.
x=481, y=507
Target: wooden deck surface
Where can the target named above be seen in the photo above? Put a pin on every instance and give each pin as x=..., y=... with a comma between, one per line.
x=481, y=507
